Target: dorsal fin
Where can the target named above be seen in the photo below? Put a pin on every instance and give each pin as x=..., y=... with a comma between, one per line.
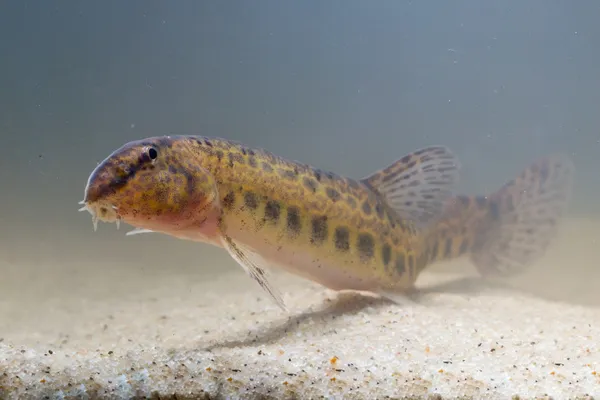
x=417, y=185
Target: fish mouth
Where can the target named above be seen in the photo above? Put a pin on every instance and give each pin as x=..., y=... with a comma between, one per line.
x=109, y=213
x=101, y=211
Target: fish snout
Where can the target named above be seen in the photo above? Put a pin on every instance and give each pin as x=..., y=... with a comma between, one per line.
x=105, y=180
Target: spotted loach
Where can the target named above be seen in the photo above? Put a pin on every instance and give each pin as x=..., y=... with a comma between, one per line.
x=375, y=234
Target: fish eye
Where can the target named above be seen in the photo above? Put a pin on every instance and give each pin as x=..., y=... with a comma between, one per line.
x=152, y=153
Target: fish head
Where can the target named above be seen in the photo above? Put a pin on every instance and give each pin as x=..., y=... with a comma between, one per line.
x=157, y=183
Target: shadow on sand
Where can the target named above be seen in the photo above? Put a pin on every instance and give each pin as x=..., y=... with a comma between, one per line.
x=349, y=303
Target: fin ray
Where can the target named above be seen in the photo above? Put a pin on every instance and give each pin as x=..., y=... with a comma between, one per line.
x=254, y=265
x=529, y=210
x=417, y=185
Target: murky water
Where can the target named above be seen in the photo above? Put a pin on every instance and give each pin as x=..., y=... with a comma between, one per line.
x=348, y=88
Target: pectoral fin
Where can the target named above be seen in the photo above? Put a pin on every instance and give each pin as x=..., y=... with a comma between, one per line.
x=138, y=231
x=255, y=266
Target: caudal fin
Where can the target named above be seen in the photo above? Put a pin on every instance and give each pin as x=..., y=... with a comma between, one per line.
x=508, y=231
x=525, y=215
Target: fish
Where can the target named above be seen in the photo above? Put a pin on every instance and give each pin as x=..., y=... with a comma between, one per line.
x=372, y=234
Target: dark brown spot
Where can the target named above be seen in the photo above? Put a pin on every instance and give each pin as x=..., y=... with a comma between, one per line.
x=317, y=174
x=165, y=142
x=287, y=174
x=310, y=183
x=190, y=180
x=272, y=211
x=229, y=200
x=448, y=250
x=219, y=154
x=386, y=254
x=319, y=230
x=208, y=143
x=342, y=238
x=251, y=200
x=252, y=161
x=333, y=194
x=366, y=246
x=235, y=158
x=351, y=202
x=266, y=167
x=352, y=183
x=294, y=225
x=400, y=264
x=366, y=207
x=379, y=210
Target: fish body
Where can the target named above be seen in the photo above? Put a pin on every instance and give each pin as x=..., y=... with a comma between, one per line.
x=372, y=234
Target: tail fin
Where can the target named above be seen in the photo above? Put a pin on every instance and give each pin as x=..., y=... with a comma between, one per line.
x=509, y=230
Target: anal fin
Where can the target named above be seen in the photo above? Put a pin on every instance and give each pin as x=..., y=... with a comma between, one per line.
x=417, y=185
x=255, y=266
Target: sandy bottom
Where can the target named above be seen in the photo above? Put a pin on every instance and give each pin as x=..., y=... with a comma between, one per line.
x=119, y=333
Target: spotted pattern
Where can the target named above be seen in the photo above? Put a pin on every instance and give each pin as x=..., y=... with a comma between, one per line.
x=336, y=210
x=251, y=200
x=319, y=230
x=310, y=184
x=335, y=220
x=266, y=167
x=288, y=173
x=351, y=202
x=342, y=238
x=129, y=178
x=235, y=158
x=333, y=194
x=272, y=211
x=366, y=208
x=252, y=161
x=386, y=254
x=366, y=246
x=294, y=222
x=229, y=200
